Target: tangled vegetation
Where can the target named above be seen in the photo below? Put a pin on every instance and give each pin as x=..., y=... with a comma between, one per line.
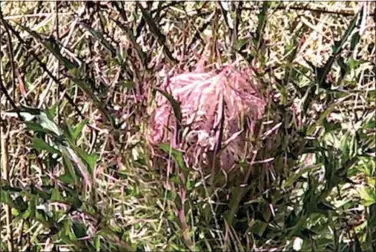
x=187, y=126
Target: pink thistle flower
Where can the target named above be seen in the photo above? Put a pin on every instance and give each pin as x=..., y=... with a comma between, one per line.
x=226, y=100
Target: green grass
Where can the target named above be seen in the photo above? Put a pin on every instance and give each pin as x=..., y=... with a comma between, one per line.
x=78, y=171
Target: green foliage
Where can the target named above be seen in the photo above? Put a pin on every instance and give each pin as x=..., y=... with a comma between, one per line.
x=82, y=175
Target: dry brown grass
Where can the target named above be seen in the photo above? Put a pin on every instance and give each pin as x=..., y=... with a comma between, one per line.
x=321, y=156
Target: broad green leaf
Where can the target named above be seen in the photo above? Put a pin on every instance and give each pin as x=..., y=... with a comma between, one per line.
x=56, y=196
x=79, y=229
x=51, y=111
x=40, y=145
x=259, y=227
x=241, y=42
x=330, y=126
x=97, y=242
x=175, y=179
x=91, y=160
x=128, y=84
x=32, y=206
x=76, y=131
x=69, y=170
x=36, y=127
x=15, y=212
x=371, y=124
x=368, y=195
x=72, y=155
x=176, y=155
x=47, y=123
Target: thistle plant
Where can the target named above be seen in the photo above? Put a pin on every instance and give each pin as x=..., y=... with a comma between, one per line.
x=219, y=111
x=261, y=141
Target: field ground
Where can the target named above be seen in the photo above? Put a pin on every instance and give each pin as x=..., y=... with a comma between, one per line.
x=77, y=87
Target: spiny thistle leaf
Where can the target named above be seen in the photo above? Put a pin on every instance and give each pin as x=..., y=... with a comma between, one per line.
x=51, y=45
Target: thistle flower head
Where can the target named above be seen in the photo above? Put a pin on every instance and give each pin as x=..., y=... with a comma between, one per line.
x=218, y=107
